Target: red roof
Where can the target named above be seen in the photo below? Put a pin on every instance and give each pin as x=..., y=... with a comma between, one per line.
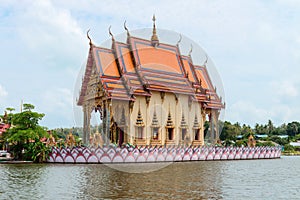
x=137, y=68
x=3, y=127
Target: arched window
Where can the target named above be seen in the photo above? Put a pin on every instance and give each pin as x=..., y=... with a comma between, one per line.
x=197, y=134
x=155, y=133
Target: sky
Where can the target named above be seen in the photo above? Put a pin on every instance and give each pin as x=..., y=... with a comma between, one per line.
x=255, y=47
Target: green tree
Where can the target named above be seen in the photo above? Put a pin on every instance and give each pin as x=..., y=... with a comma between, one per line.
x=270, y=127
x=289, y=148
x=246, y=131
x=261, y=129
x=278, y=140
x=206, y=127
x=293, y=128
x=10, y=110
x=25, y=135
x=230, y=131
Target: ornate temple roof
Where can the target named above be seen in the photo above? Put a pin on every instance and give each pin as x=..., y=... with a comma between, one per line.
x=140, y=66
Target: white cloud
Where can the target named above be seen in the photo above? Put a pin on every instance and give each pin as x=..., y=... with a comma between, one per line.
x=57, y=104
x=255, y=45
x=285, y=88
x=57, y=99
x=248, y=112
x=48, y=34
x=3, y=99
x=3, y=92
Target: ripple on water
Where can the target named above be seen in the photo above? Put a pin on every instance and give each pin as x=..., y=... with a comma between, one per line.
x=255, y=179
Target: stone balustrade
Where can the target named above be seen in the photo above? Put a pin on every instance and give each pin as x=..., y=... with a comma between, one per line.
x=159, y=154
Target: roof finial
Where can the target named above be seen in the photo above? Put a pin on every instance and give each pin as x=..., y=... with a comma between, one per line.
x=87, y=34
x=154, y=38
x=205, y=62
x=109, y=31
x=126, y=28
x=190, y=52
x=180, y=38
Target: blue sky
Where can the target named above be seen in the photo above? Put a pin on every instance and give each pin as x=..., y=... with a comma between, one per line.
x=255, y=46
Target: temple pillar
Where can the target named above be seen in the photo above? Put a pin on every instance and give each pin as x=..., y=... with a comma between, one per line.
x=217, y=136
x=212, y=127
x=86, y=123
x=203, y=115
x=108, y=130
x=104, y=123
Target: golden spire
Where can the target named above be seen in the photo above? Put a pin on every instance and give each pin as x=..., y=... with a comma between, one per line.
x=154, y=38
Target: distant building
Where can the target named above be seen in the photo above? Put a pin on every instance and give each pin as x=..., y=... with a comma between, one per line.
x=283, y=136
x=148, y=93
x=260, y=136
x=295, y=144
x=3, y=126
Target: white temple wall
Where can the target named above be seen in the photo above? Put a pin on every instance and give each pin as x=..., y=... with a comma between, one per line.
x=163, y=107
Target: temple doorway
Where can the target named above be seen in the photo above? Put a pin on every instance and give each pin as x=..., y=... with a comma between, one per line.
x=197, y=134
x=120, y=136
x=170, y=133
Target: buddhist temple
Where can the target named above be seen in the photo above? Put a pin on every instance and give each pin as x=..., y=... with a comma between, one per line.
x=148, y=93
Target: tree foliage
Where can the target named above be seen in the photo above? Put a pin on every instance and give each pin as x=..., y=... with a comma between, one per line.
x=25, y=134
x=230, y=132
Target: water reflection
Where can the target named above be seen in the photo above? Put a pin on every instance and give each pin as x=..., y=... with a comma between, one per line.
x=178, y=180
x=255, y=179
x=20, y=180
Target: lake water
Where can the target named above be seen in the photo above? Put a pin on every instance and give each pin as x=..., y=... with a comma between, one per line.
x=249, y=179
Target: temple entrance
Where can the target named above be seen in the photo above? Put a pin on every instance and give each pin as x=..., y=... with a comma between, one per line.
x=197, y=134
x=170, y=132
x=183, y=134
x=120, y=137
x=140, y=132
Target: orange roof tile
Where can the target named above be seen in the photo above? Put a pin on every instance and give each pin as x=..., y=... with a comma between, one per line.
x=159, y=59
x=105, y=62
x=189, y=69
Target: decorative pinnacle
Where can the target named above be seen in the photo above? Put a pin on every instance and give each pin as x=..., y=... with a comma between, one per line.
x=154, y=37
x=109, y=31
x=205, y=62
x=190, y=52
x=87, y=34
x=180, y=38
x=126, y=28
